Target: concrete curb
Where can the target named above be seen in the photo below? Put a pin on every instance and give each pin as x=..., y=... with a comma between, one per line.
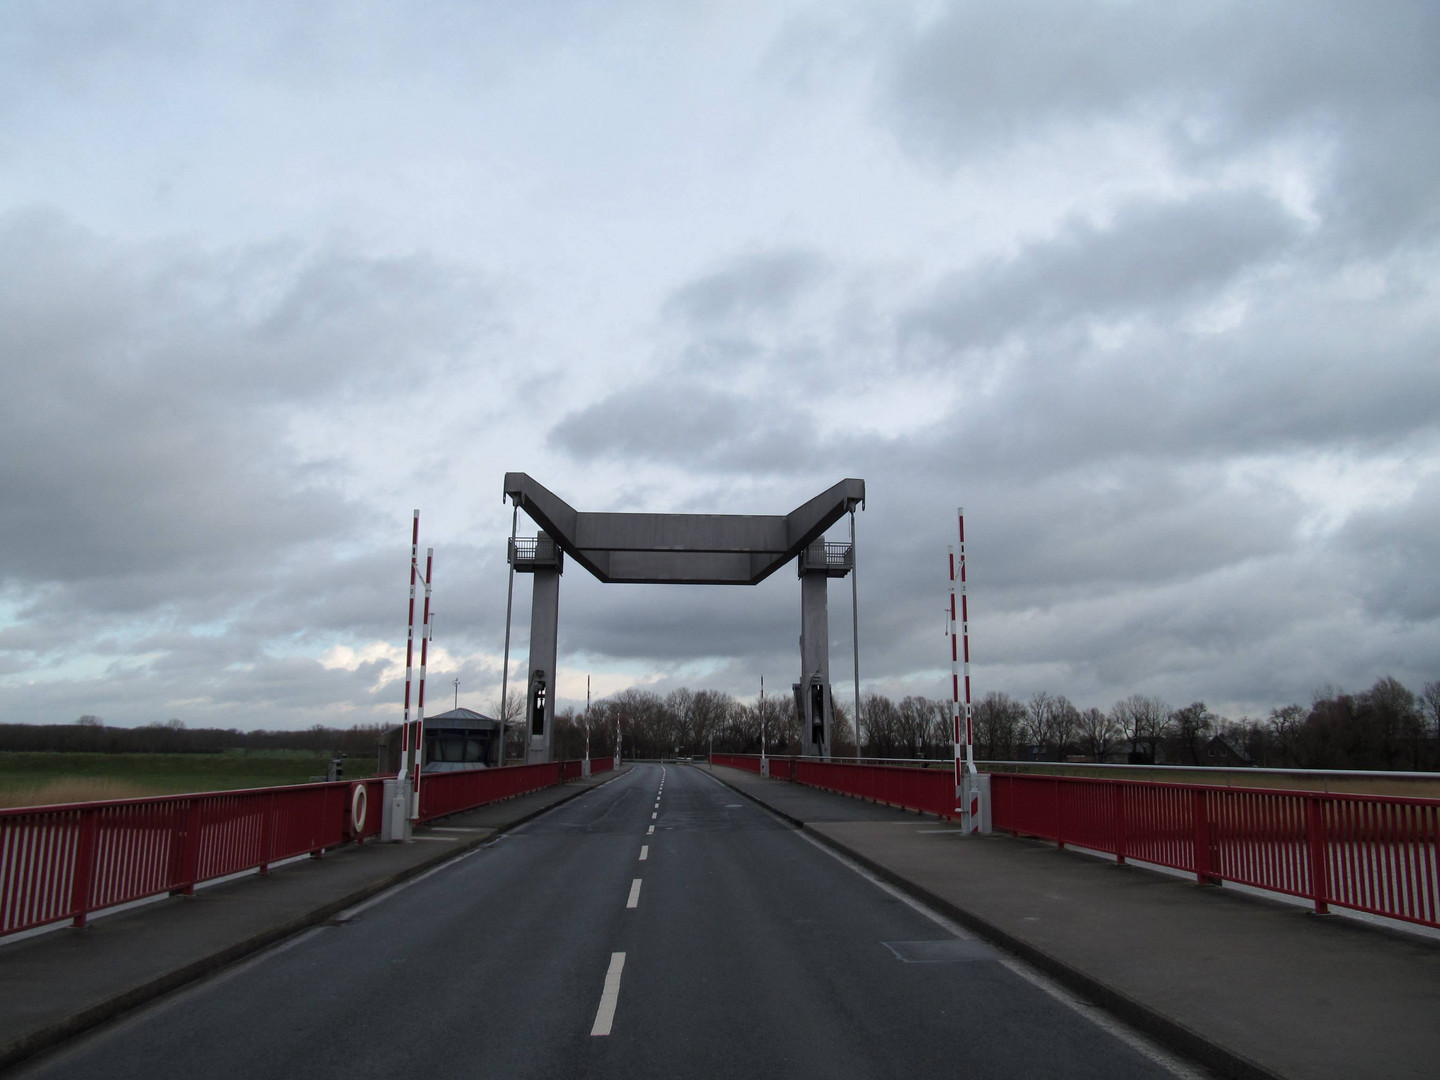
x=52, y=1035
x=1165, y=1030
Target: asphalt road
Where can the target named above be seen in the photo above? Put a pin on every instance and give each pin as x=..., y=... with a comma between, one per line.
x=657, y=926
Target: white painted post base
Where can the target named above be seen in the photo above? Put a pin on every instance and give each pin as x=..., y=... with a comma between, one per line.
x=975, y=804
x=395, y=816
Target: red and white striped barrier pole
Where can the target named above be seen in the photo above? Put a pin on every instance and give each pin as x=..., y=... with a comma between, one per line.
x=959, y=732
x=419, y=740
x=970, y=816
x=409, y=648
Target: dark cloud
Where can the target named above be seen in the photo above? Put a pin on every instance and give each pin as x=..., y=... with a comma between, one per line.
x=1221, y=79
x=1392, y=549
x=1161, y=373
x=146, y=394
x=686, y=423
x=758, y=285
x=159, y=518
x=1152, y=260
x=1096, y=568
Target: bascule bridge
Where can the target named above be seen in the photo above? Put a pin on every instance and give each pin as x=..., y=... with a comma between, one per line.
x=682, y=549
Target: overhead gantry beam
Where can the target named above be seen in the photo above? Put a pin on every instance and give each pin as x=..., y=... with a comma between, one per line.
x=682, y=549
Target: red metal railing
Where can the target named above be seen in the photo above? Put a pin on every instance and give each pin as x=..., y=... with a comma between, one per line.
x=1378, y=854
x=748, y=762
x=447, y=793
x=63, y=862
x=928, y=790
x=452, y=792
x=911, y=787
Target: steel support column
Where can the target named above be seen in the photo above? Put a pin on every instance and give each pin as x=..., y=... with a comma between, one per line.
x=812, y=692
x=540, y=698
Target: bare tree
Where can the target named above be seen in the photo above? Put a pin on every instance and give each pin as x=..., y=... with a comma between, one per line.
x=1049, y=723
x=880, y=726
x=1285, y=723
x=1430, y=707
x=942, y=730
x=842, y=732
x=914, y=725
x=1144, y=721
x=1193, y=726
x=511, y=724
x=680, y=721
x=1392, y=725
x=710, y=714
x=1064, y=726
x=1098, y=731
x=997, y=720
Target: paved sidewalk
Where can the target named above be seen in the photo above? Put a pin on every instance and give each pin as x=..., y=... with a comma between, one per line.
x=61, y=983
x=1244, y=986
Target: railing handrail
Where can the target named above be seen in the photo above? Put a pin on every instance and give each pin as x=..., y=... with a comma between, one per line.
x=1373, y=853
x=11, y=811
x=77, y=858
x=995, y=765
x=1242, y=770
x=1169, y=785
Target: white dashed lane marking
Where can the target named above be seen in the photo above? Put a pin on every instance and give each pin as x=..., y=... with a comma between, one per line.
x=634, y=900
x=609, y=996
x=644, y=852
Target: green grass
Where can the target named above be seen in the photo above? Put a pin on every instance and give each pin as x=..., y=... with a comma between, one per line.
x=37, y=779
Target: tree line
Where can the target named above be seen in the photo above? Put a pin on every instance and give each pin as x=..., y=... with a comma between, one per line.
x=91, y=734
x=690, y=723
x=1386, y=727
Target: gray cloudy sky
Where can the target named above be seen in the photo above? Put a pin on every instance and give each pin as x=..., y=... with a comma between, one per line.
x=1152, y=289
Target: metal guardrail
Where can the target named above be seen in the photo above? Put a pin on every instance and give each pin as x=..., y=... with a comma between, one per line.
x=1378, y=854
x=748, y=762
x=1372, y=853
x=65, y=862
x=532, y=551
x=929, y=790
x=836, y=559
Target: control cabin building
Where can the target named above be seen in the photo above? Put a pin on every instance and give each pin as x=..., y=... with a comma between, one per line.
x=454, y=740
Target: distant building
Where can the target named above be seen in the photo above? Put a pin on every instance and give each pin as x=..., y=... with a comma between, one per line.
x=454, y=740
x=1221, y=752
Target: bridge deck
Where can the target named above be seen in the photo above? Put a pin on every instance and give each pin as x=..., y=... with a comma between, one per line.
x=1256, y=988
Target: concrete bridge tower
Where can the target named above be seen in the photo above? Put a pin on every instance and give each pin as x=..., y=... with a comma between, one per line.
x=543, y=558
x=814, y=703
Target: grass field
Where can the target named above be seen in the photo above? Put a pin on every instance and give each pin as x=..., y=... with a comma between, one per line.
x=48, y=779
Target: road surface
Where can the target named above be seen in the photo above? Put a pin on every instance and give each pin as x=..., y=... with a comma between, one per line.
x=657, y=926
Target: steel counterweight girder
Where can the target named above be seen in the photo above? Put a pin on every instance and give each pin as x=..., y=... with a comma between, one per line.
x=682, y=549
